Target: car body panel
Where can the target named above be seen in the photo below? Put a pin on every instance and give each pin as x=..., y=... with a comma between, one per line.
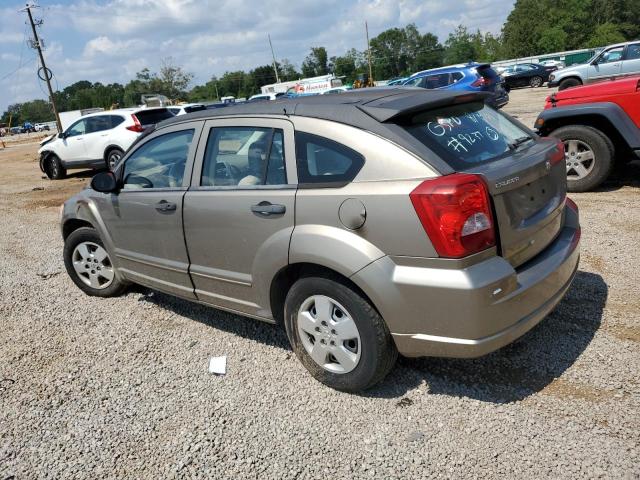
x=519, y=75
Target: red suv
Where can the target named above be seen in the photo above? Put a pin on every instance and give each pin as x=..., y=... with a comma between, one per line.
x=598, y=124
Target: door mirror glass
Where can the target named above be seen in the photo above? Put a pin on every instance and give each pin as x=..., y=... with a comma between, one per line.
x=104, y=182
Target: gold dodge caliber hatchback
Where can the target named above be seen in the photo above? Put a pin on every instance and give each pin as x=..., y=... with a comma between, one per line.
x=368, y=223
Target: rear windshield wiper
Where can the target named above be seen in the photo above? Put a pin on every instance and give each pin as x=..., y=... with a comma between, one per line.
x=518, y=141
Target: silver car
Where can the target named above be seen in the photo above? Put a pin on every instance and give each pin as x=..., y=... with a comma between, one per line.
x=368, y=224
x=614, y=61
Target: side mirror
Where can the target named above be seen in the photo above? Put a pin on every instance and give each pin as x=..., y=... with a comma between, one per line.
x=62, y=135
x=104, y=182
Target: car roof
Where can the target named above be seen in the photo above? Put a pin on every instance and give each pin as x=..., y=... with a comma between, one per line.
x=377, y=110
x=117, y=111
x=354, y=107
x=449, y=69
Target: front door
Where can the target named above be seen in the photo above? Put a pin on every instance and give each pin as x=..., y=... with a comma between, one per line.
x=145, y=217
x=73, y=142
x=608, y=65
x=239, y=212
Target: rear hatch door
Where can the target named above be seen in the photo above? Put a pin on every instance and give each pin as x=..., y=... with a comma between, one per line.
x=525, y=175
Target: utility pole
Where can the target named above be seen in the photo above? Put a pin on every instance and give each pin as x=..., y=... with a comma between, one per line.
x=45, y=70
x=366, y=27
x=275, y=68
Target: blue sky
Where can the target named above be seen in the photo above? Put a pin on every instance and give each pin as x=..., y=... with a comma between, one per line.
x=110, y=40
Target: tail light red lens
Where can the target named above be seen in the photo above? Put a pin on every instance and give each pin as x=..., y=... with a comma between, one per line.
x=136, y=127
x=557, y=155
x=480, y=82
x=455, y=212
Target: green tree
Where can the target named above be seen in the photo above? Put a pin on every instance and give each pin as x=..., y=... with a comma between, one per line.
x=316, y=63
x=349, y=65
x=459, y=47
x=606, y=34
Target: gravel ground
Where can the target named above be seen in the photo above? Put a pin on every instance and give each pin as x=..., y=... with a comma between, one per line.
x=119, y=388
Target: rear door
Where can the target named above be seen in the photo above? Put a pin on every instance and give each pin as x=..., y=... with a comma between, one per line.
x=97, y=136
x=145, y=217
x=239, y=212
x=631, y=61
x=527, y=182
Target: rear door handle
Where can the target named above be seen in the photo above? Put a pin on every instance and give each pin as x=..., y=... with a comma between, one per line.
x=268, y=208
x=164, y=206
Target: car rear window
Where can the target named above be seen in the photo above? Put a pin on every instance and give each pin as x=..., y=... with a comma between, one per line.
x=466, y=134
x=153, y=116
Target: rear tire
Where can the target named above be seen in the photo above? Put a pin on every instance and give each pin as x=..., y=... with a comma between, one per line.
x=569, y=83
x=344, y=324
x=536, y=82
x=89, y=265
x=53, y=168
x=113, y=157
x=588, y=155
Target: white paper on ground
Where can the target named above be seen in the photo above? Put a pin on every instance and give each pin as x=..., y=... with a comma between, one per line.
x=218, y=365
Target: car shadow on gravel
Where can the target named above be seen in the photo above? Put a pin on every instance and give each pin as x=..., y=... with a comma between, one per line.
x=244, y=327
x=518, y=370
x=624, y=175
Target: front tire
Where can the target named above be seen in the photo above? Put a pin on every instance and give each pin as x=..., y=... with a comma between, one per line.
x=337, y=334
x=569, y=83
x=89, y=265
x=113, y=157
x=53, y=168
x=588, y=156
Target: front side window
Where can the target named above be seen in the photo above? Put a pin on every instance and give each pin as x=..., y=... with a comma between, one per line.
x=77, y=128
x=158, y=163
x=321, y=160
x=243, y=157
x=415, y=82
x=613, y=55
x=467, y=134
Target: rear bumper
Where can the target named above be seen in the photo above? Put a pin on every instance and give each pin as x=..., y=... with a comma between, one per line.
x=457, y=311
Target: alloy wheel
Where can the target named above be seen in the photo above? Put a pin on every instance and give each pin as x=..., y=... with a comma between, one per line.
x=93, y=265
x=328, y=334
x=114, y=158
x=579, y=158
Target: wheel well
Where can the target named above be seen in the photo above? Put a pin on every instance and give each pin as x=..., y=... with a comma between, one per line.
x=109, y=149
x=286, y=277
x=573, y=77
x=72, y=225
x=595, y=121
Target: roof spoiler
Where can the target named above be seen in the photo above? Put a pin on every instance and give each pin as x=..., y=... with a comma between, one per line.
x=392, y=108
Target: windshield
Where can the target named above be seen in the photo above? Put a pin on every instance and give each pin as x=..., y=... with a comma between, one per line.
x=467, y=134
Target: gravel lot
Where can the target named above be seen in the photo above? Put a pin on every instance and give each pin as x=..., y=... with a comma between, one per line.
x=119, y=388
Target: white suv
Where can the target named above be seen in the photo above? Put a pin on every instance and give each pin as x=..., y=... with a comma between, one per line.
x=97, y=140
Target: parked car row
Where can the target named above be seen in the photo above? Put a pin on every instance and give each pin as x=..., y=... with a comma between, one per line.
x=281, y=211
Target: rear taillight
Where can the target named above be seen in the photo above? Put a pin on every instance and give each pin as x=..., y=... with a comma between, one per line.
x=480, y=82
x=557, y=155
x=455, y=211
x=638, y=86
x=136, y=127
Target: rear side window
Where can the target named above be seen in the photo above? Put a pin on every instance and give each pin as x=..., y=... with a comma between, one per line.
x=467, y=134
x=115, y=120
x=153, y=116
x=633, y=52
x=323, y=161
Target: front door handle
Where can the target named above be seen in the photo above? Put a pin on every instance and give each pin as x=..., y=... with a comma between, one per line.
x=164, y=206
x=268, y=208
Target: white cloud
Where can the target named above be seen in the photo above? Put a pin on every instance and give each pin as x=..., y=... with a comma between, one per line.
x=111, y=40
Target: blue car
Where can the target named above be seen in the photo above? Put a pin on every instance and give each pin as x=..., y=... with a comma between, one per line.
x=472, y=77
